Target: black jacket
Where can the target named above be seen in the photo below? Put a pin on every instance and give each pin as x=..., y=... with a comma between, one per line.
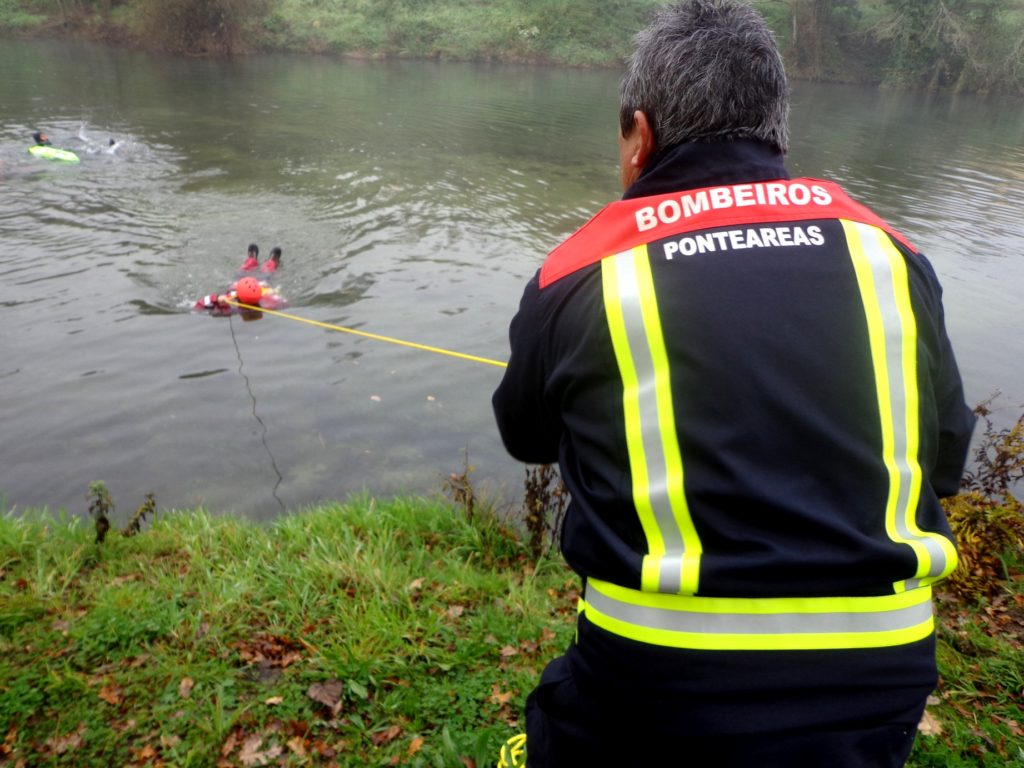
x=775, y=405
x=772, y=349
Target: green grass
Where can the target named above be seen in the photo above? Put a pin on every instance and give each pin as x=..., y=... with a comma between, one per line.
x=349, y=635
x=14, y=17
x=369, y=633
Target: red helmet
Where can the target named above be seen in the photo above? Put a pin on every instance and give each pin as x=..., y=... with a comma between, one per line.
x=249, y=290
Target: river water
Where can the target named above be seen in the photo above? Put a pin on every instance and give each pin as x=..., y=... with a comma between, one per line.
x=411, y=200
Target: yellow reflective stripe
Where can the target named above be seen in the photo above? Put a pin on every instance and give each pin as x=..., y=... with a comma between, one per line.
x=631, y=410
x=892, y=332
x=672, y=562
x=791, y=623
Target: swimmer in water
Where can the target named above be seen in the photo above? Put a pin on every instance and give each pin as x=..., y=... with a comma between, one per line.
x=248, y=290
x=270, y=265
x=252, y=260
x=41, y=139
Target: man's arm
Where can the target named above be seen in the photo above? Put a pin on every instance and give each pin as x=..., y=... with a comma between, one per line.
x=956, y=423
x=528, y=431
x=955, y=418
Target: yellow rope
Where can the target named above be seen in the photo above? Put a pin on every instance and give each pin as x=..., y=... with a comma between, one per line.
x=368, y=335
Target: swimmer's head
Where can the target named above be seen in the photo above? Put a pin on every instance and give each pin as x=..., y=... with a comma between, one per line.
x=40, y=138
x=275, y=254
x=249, y=290
x=254, y=250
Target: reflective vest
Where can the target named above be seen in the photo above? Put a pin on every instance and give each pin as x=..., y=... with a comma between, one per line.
x=672, y=606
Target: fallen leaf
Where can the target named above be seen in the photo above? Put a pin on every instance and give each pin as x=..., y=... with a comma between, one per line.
x=328, y=694
x=274, y=700
x=386, y=736
x=111, y=694
x=297, y=745
x=147, y=752
x=454, y=611
x=498, y=697
x=508, y=650
x=185, y=687
x=251, y=754
x=61, y=744
x=415, y=746
x=929, y=725
x=229, y=744
x=270, y=650
x=415, y=584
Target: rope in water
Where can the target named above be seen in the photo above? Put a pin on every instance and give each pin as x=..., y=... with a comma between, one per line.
x=368, y=335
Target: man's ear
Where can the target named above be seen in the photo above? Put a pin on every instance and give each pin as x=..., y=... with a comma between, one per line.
x=645, y=145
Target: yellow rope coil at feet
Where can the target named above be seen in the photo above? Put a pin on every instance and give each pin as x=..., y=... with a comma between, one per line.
x=513, y=752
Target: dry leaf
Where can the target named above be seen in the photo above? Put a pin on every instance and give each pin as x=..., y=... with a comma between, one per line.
x=415, y=584
x=415, y=746
x=328, y=694
x=185, y=687
x=297, y=745
x=929, y=725
x=147, y=752
x=454, y=611
x=274, y=700
x=62, y=744
x=386, y=736
x=251, y=754
x=168, y=742
x=111, y=694
x=499, y=698
x=229, y=745
x=508, y=650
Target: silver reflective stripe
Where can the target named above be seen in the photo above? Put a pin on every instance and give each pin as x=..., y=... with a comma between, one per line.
x=658, y=489
x=758, y=624
x=752, y=623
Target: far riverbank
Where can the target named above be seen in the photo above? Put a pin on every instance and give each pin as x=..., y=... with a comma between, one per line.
x=972, y=47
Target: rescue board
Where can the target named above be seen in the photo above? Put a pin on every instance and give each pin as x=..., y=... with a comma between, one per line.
x=52, y=153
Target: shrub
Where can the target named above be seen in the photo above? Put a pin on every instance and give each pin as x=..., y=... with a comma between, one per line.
x=200, y=27
x=986, y=517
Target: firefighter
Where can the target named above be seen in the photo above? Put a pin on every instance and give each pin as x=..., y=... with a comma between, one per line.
x=748, y=386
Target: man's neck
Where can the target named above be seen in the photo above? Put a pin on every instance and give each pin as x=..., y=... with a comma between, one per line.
x=693, y=165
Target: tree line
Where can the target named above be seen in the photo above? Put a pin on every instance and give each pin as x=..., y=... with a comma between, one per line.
x=960, y=45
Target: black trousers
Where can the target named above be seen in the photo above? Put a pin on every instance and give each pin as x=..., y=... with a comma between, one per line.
x=567, y=727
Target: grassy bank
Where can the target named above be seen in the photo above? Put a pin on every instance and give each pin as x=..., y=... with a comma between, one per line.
x=372, y=633
x=362, y=634
x=569, y=32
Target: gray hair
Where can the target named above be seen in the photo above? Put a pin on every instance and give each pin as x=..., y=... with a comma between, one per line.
x=707, y=70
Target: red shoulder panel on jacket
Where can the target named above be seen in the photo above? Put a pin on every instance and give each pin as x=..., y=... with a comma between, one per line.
x=626, y=224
